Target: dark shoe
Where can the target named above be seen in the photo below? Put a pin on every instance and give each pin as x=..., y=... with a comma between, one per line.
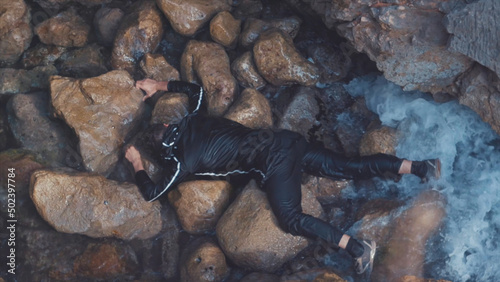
x=433, y=170
x=364, y=263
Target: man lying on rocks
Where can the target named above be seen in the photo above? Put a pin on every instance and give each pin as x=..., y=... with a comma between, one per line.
x=205, y=145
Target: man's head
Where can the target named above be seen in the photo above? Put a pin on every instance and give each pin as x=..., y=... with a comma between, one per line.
x=152, y=137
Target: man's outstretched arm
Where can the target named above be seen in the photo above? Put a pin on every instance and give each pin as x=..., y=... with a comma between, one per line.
x=195, y=92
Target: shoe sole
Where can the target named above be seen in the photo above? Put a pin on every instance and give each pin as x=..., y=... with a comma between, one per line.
x=369, y=267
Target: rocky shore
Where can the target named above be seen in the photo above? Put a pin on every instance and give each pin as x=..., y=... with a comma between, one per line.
x=69, y=107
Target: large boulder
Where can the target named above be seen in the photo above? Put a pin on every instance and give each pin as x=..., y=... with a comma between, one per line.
x=14, y=81
x=33, y=129
x=188, y=16
x=252, y=109
x=102, y=110
x=249, y=234
x=208, y=62
x=140, y=32
x=89, y=204
x=15, y=30
x=476, y=32
x=66, y=29
x=279, y=62
x=200, y=204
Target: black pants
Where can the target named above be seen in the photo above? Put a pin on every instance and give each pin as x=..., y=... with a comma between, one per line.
x=292, y=156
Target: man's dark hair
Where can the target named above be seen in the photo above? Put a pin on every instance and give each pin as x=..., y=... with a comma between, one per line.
x=151, y=138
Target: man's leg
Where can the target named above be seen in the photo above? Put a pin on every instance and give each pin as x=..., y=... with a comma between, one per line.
x=283, y=190
x=323, y=162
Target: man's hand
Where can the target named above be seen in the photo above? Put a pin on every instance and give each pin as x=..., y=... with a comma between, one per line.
x=150, y=86
x=134, y=157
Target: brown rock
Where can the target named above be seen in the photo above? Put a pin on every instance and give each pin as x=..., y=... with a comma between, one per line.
x=203, y=261
x=140, y=32
x=253, y=28
x=156, y=67
x=88, y=61
x=66, y=29
x=279, y=62
x=480, y=91
x=208, y=62
x=89, y=204
x=314, y=275
x=246, y=73
x=381, y=140
x=187, y=16
x=106, y=261
x=408, y=278
x=170, y=108
x=248, y=231
x=300, y=115
x=252, y=109
x=34, y=130
x=24, y=164
x=14, y=81
x=106, y=23
x=15, y=30
x=224, y=29
x=326, y=190
x=200, y=204
x=261, y=277
x=102, y=111
x=41, y=55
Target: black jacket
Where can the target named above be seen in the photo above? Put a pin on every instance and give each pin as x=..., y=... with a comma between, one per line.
x=205, y=145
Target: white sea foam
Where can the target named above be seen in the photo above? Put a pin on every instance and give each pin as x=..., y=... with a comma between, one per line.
x=468, y=247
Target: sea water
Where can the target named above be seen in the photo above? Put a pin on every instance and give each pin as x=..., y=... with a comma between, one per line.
x=467, y=248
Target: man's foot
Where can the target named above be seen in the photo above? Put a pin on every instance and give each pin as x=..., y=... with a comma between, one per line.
x=364, y=263
x=433, y=170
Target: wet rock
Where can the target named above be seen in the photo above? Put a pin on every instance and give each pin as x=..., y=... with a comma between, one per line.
x=248, y=231
x=106, y=23
x=200, y=204
x=279, y=62
x=380, y=140
x=476, y=32
x=187, y=17
x=24, y=163
x=252, y=109
x=480, y=91
x=248, y=8
x=300, y=115
x=15, y=30
x=14, y=81
x=332, y=62
x=225, y=29
x=66, y=29
x=89, y=204
x=140, y=32
x=106, y=261
x=326, y=190
x=245, y=71
x=41, y=55
x=314, y=275
x=208, y=62
x=102, y=110
x=253, y=28
x=407, y=228
x=33, y=129
x=170, y=108
x=88, y=61
x=156, y=67
x=261, y=277
x=202, y=261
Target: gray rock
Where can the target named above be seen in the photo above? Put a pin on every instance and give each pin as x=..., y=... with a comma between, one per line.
x=106, y=23
x=476, y=32
x=84, y=62
x=15, y=30
x=14, y=81
x=300, y=115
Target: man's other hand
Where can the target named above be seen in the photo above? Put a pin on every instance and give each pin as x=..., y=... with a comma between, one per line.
x=150, y=86
x=134, y=157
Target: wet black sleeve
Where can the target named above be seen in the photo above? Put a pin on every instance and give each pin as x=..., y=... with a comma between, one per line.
x=151, y=191
x=195, y=94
